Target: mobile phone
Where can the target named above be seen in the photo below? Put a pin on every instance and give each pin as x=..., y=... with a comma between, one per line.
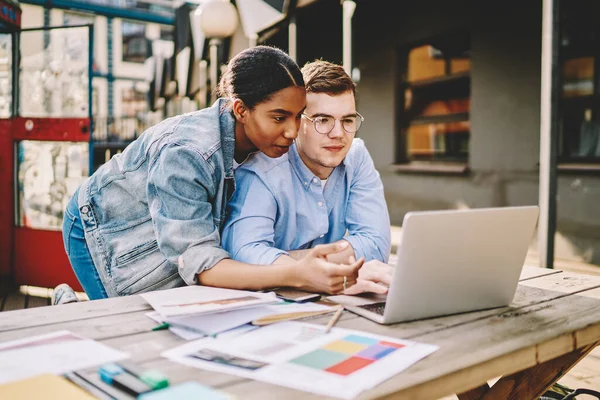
x=296, y=296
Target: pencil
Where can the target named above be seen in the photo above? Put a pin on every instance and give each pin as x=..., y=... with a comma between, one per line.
x=334, y=319
x=271, y=319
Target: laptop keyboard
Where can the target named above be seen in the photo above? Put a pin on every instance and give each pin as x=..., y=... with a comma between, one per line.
x=377, y=308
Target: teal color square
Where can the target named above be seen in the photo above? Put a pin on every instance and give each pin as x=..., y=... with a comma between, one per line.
x=320, y=359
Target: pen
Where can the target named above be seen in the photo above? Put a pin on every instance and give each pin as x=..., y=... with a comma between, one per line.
x=334, y=319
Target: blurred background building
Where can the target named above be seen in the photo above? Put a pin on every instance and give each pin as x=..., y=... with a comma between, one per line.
x=451, y=92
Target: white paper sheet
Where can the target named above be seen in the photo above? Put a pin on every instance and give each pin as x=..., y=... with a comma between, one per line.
x=342, y=363
x=190, y=300
x=56, y=353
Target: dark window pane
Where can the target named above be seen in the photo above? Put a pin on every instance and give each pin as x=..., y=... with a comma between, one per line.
x=436, y=100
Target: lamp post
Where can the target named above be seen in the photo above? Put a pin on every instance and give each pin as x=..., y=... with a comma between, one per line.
x=218, y=20
x=348, y=7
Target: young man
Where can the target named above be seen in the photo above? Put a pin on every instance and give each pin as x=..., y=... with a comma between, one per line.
x=325, y=189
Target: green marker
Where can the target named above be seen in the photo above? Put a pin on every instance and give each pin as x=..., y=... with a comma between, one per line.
x=153, y=378
x=160, y=327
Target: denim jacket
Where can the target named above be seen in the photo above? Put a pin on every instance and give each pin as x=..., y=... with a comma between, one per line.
x=165, y=196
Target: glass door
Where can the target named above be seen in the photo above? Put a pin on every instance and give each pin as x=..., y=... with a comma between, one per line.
x=51, y=142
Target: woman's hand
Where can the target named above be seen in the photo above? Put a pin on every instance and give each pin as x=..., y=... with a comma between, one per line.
x=374, y=276
x=316, y=274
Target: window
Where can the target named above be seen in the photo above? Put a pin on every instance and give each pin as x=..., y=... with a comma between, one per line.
x=135, y=44
x=579, y=104
x=5, y=75
x=434, y=100
x=48, y=174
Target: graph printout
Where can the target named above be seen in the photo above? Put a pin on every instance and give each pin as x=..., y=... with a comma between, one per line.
x=341, y=363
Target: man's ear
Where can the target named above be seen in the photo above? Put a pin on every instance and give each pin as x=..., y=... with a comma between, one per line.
x=240, y=111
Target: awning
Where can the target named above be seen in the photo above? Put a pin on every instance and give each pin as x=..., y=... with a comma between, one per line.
x=10, y=15
x=261, y=16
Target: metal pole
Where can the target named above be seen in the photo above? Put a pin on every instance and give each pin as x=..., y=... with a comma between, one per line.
x=292, y=39
x=348, y=7
x=214, y=68
x=253, y=40
x=548, y=133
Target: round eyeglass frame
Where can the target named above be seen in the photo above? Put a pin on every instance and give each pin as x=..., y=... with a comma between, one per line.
x=313, y=120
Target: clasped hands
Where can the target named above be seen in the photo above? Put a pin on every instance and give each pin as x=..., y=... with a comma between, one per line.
x=333, y=269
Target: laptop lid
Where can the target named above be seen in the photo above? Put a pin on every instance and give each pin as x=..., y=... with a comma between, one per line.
x=455, y=261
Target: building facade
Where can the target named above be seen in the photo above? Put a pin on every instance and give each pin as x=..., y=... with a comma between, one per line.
x=450, y=92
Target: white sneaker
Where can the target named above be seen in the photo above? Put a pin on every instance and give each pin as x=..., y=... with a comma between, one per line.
x=63, y=294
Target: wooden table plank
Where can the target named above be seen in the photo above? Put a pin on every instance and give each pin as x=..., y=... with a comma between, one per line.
x=98, y=328
x=71, y=312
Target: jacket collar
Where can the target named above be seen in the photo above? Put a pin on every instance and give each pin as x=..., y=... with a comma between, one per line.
x=227, y=127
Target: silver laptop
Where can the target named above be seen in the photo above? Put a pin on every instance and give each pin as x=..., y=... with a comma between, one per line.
x=451, y=262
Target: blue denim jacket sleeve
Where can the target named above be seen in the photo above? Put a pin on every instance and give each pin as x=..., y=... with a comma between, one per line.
x=180, y=187
x=250, y=229
x=367, y=215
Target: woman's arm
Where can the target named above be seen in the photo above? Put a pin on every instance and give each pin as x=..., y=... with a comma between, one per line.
x=311, y=273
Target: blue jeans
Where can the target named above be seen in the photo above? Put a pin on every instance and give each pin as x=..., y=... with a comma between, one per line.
x=79, y=254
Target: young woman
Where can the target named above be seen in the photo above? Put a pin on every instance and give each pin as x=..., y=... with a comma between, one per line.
x=151, y=218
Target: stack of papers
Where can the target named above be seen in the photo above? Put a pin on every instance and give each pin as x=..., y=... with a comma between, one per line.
x=194, y=300
x=193, y=312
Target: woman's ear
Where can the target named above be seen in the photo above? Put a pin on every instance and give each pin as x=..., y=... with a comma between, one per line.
x=239, y=110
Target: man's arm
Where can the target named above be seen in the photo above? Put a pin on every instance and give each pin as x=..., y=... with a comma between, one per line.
x=367, y=215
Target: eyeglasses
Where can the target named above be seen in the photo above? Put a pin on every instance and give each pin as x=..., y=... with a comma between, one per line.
x=325, y=123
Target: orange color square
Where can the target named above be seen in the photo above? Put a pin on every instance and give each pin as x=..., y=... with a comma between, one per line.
x=349, y=366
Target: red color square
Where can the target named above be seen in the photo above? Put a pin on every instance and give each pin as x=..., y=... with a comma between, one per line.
x=349, y=366
x=390, y=344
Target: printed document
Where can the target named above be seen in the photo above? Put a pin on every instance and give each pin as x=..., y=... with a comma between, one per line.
x=341, y=363
x=56, y=353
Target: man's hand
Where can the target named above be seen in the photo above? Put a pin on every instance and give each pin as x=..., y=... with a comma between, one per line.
x=374, y=277
x=316, y=274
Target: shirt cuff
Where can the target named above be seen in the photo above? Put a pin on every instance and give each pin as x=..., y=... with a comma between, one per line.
x=356, y=245
x=269, y=257
x=198, y=259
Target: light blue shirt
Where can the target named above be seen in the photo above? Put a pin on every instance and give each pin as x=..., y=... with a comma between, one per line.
x=279, y=205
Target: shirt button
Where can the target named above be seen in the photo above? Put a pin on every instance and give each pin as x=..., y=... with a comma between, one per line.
x=315, y=180
x=320, y=203
x=305, y=183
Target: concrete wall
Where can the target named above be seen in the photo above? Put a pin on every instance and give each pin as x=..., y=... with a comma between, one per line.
x=505, y=109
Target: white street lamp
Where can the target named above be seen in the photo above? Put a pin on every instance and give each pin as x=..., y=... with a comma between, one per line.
x=218, y=20
x=348, y=7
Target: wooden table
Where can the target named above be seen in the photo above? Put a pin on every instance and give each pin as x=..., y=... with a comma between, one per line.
x=553, y=322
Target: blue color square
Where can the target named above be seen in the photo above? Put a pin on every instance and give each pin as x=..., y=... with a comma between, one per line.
x=376, y=352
